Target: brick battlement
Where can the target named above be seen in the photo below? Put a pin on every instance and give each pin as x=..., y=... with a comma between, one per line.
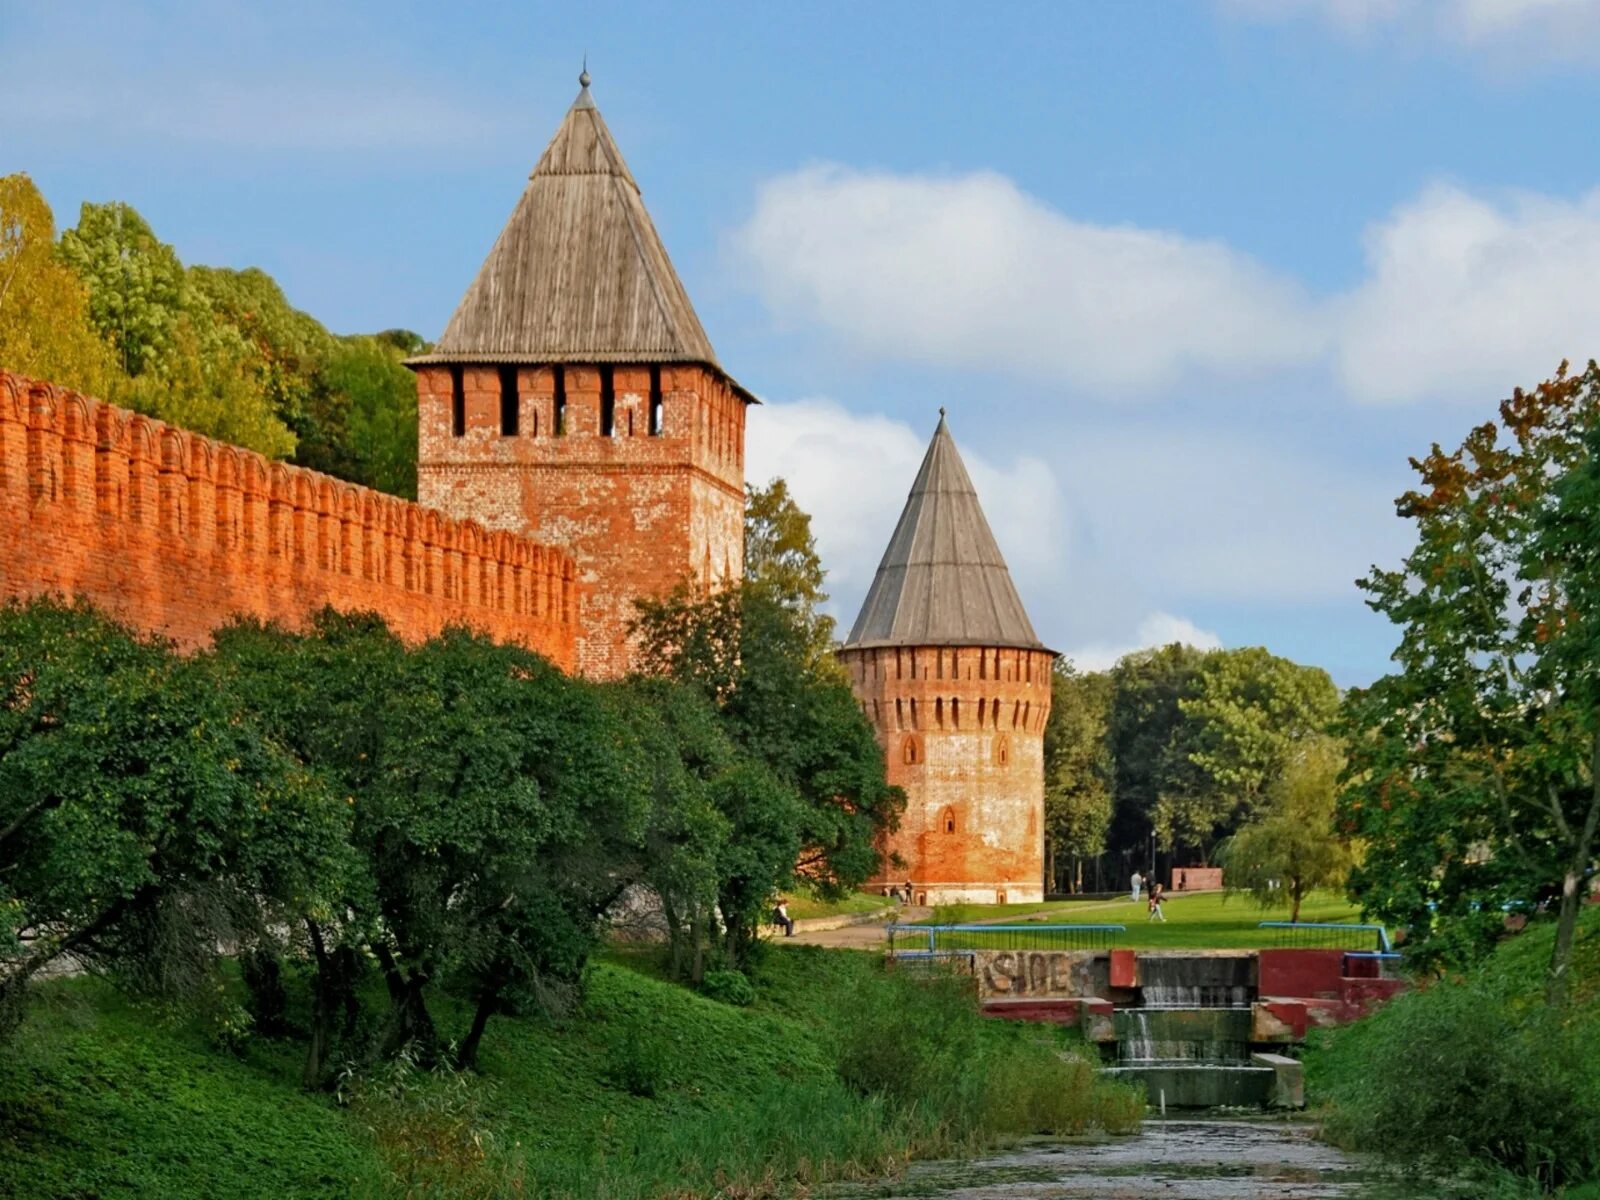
x=173, y=533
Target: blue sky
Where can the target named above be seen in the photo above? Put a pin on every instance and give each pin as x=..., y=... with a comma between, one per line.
x=1193, y=278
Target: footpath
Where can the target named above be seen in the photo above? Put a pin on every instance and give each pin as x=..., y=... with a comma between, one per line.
x=859, y=933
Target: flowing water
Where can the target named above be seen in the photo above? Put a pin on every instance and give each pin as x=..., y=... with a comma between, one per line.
x=1166, y=1160
x=1188, y=1040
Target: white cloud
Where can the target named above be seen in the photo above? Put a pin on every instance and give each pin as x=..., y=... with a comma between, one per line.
x=1465, y=296
x=852, y=474
x=970, y=271
x=1158, y=629
x=1154, y=520
x=1226, y=517
x=1468, y=298
x=1560, y=29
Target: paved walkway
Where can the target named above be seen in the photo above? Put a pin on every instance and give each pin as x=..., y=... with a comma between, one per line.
x=867, y=936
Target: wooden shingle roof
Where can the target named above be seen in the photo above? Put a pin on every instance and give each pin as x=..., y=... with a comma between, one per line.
x=942, y=581
x=579, y=273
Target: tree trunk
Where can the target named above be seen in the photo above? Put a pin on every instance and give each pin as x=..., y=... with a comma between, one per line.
x=409, y=1019
x=1296, y=894
x=488, y=1003
x=321, y=1010
x=1555, y=992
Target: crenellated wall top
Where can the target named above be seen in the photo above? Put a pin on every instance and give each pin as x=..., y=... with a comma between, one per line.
x=54, y=412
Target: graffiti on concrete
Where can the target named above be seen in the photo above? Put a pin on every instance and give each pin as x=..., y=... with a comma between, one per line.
x=1040, y=973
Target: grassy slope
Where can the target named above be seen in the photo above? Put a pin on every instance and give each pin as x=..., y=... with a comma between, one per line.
x=1206, y=920
x=105, y=1098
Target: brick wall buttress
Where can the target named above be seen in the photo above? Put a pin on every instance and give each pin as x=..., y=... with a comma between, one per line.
x=173, y=533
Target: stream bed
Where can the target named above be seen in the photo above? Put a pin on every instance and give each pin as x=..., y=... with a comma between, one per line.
x=1176, y=1159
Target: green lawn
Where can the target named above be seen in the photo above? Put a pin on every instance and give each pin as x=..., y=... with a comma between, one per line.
x=1206, y=921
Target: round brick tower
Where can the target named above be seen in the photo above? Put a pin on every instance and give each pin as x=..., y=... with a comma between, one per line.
x=957, y=685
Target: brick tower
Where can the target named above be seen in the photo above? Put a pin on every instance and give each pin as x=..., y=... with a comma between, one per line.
x=575, y=398
x=946, y=663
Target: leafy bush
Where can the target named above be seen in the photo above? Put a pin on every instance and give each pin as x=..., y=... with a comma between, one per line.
x=1474, y=1072
x=639, y=1065
x=730, y=987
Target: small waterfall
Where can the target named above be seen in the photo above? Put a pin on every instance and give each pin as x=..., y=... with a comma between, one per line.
x=1189, y=1038
x=1219, y=982
x=1182, y=1035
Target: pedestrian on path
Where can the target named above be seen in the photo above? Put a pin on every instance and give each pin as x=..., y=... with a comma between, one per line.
x=1138, y=882
x=1155, y=905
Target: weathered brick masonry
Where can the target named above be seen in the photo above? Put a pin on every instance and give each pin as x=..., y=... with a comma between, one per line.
x=574, y=396
x=946, y=665
x=174, y=533
x=963, y=733
x=643, y=483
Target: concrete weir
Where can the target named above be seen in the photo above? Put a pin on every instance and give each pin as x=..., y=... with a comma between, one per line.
x=1199, y=1029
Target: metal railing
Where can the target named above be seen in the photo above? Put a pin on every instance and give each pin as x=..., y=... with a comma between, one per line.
x=931, y=939
x=1315, y=935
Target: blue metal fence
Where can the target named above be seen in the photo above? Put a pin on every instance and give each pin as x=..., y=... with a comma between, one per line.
x=1329, y=935
x=935, y=939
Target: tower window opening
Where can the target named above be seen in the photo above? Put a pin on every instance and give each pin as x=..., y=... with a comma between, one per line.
x=955, y=713
x=938, y=712
x=560, y=402
x=458, y=404
x=948, y=820
x=657, y=416
x=608, y=404
x=908, y=752
x=508, y=402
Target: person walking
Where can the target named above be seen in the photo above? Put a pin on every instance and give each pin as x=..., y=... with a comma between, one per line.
x=780, y=917
x=1155, y=904
x=1138, y=882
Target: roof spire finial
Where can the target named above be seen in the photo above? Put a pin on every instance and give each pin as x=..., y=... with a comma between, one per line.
x=583, y=76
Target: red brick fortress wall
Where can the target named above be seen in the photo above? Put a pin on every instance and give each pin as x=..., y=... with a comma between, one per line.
x=963, y=733
x=173, y=533
x=639, y=510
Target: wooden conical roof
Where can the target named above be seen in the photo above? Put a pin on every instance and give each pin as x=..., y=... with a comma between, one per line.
x=942, y=581
x=579, y=273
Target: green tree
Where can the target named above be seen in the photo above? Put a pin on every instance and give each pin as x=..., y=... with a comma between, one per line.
x=44, y=307
x=1078, y=772
x=187, y=366
x=1291, y=846
x=1473, y=774
x=811, y=799
x=142, y=815
x=1146, y=688
x=780, y=559
x=1247, y=712
x=377, y=399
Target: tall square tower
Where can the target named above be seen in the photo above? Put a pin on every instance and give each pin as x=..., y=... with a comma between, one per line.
x=574, y=397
